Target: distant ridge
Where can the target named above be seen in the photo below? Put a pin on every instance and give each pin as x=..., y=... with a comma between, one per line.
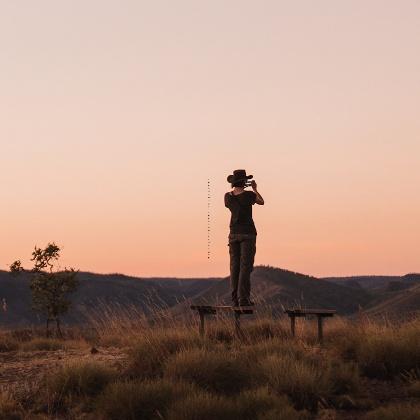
x=372, y=282
x=273, y=288
x=97, y=291
x=277, y=288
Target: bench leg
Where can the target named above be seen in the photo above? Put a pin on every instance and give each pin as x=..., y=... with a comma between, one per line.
x=238, y=331
x=293, y=325
x=238, y=324
x=320, y=332
x=201, y=327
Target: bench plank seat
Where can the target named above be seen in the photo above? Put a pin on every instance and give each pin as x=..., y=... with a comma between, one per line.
x=214, y=308
x=304, y=312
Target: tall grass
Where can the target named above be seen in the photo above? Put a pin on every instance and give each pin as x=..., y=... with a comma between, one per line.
x=75, y=380
x=44, y=344
x=303, y=381
x=170, y=372
x=149, y=353
x=224, y=372
x=34, y=339
x=148, y=399
x=263, y=403
x=383, y=351
x=395, y=412
x=7, y=343
x=9, y=408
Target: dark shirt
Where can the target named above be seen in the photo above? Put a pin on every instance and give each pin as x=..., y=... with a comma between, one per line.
x=241, y=208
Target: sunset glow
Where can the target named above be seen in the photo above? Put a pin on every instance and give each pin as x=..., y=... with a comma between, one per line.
x=115, y=114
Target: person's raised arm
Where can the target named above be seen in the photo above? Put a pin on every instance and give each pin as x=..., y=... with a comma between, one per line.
x=259, y=200
x=227, y=200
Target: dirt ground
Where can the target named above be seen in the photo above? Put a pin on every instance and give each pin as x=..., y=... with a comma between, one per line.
x=21, y=372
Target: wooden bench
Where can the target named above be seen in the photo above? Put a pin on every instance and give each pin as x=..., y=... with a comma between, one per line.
x=204, y=310
x=320, y=314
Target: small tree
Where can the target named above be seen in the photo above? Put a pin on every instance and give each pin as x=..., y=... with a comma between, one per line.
x=16, y=267
x=49, y=286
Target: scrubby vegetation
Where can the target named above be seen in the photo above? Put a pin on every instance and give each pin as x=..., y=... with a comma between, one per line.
x=168, y=372
x=78, y=379
x=394, y=412
x=9, y=408
x=7, y=343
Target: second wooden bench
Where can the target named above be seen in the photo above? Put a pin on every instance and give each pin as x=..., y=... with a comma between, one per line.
x=320, y=314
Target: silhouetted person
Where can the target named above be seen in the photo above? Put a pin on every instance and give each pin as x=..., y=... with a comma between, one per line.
x=242, y=236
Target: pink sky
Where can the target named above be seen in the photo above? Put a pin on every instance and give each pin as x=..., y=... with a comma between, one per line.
x=115, y=114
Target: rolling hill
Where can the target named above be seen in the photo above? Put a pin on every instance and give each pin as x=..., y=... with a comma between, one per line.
x=277, y=288
x=97, y=291
x=272, y=288
x=397, y=304
x=374, y=282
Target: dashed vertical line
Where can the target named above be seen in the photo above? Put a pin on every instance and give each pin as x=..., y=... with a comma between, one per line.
x=208, y=219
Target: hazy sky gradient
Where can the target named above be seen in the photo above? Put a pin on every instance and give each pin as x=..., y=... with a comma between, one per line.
x=115, y=114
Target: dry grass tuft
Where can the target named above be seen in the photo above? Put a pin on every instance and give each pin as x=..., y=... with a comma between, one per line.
x=172, y=373
x=115, y=340
x=140, y=400
x=261, y=403
x=395, y=412
x=414, y=389
x=149, y=353
x=222, y=372
x=78, y=379
x=8, y=343
x=9, y=408
x=277, y=346
x=203, y=406
x=344, y=377
x=304, y=381
x=384, y=351
x=44, y=344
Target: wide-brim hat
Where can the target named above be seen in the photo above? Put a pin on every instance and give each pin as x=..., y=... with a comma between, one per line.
x=239, y=175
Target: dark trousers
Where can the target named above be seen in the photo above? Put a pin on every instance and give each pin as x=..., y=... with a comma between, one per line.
x=242, y=248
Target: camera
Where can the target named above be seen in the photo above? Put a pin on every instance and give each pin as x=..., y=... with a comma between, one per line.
x=248, y=183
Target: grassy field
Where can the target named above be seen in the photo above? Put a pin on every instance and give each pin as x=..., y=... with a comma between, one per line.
x=121, y=368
